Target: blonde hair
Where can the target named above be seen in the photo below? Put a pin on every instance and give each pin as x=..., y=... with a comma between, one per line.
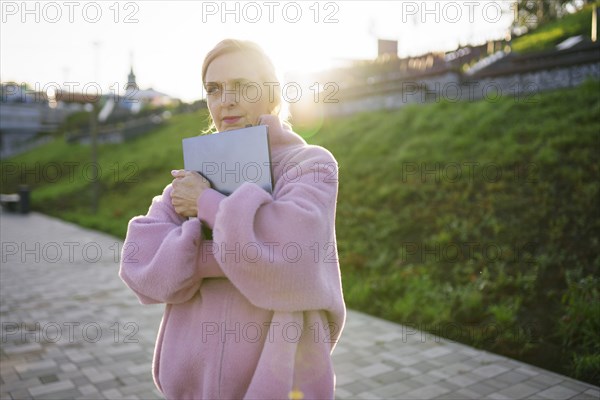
x=266, y=69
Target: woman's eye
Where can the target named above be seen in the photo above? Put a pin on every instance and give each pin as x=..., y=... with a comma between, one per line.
x=212, y=90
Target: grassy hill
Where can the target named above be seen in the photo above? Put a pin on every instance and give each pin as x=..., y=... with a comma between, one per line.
x=475, y=221
x=547, y=36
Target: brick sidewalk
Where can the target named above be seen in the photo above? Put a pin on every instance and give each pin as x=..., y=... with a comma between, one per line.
x=71, y=329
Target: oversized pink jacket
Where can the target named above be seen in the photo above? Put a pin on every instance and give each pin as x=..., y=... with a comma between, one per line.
x=255, y=312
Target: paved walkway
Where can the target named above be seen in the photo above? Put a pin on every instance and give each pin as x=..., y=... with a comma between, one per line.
x=71, y=329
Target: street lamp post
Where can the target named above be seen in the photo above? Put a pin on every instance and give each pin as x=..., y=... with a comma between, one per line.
x=95, y=192
x=94, y=145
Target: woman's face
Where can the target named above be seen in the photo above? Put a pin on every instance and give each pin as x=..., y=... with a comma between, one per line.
x=235, y=91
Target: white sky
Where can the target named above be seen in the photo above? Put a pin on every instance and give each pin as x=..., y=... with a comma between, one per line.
x=169, y=39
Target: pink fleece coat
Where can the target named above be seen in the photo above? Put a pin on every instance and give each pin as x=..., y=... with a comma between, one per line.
x=255, y=312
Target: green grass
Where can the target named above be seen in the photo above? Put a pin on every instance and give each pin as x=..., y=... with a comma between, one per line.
x=503, y=257
x=547, y=36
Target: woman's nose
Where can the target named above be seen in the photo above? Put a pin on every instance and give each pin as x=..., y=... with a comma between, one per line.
x=230, y=95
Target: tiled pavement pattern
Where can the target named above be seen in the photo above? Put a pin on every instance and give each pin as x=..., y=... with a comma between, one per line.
x=71, y=329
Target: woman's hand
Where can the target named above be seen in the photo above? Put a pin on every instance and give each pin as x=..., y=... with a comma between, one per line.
x=187, y=188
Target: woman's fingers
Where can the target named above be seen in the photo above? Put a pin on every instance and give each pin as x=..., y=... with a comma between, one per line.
x=187, y=187
x=182, y=173
x=178, y=173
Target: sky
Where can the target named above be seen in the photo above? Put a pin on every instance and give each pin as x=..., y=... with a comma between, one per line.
x=92, y=45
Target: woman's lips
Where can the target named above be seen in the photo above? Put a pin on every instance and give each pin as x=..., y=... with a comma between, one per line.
x=231, y=120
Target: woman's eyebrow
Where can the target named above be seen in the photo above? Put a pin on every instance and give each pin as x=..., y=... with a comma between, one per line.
x=235, y=80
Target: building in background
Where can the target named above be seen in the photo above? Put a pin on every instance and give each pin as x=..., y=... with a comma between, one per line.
x=136, y=99
x=387, y=48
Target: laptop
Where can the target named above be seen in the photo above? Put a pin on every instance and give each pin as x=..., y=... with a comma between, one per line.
x=228, y=159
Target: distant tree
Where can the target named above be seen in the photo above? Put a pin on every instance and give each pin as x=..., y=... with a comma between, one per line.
x=531, y=13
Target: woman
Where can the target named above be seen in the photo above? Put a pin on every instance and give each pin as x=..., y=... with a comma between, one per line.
x=254, y=312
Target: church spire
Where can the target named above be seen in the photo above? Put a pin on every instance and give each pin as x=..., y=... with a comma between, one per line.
x=131, y=77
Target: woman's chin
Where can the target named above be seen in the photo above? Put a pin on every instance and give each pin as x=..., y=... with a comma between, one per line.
x=231, y=127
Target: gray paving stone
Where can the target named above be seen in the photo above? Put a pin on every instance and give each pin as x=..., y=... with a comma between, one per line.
x=527, y=370
x=80, y=381
x=374, y=370
x=456, y=368
x=557, y=392
x=425, y=366
x=345, y=357
x=21, y=394
x=469, y=351
x=36, y=367
x=426, y=379
x=428, y=392
x=410, y=371
x=8, y=376
x=388, y=336
x=583, y=396
x=125, y=349
x=95, y=376
x=112, y=394
x=391, y=377
x=22, y=348
x=439, y=374
x=368, y=396
x=449, y=385
x=481, y=388
x=519, y=391
x=512, y=377
x=17, y=384
x=51, y=388
x=87, y=389
x=48, y=378
x=593, y=392
x=136, y=388
x=496, y=383
x=412, y=383
x=151, y=395
x=437, y=352
x=538, y=385
x=409, y=360
x=77, y=356
x=548, y=379
x=489, y=371
x=460, y=394
x=105, y=385
x=360, y=386
x=579, y=387
x=64, y=394
x=68, y=367
x=343, y=394
x=95, y=396
x=141, y=369
x=454, y=357
x=497, y=396
x=401, y=349
x=344, y=367
x=392, y=390
x=346, y=378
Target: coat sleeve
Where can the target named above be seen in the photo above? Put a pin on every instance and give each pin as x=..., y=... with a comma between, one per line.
x=279, y=250
x=164, y=258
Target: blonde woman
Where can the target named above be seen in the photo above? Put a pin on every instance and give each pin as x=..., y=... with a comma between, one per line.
x=255, y=311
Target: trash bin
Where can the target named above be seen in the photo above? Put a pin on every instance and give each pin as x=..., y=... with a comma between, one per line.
x=24, y=199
